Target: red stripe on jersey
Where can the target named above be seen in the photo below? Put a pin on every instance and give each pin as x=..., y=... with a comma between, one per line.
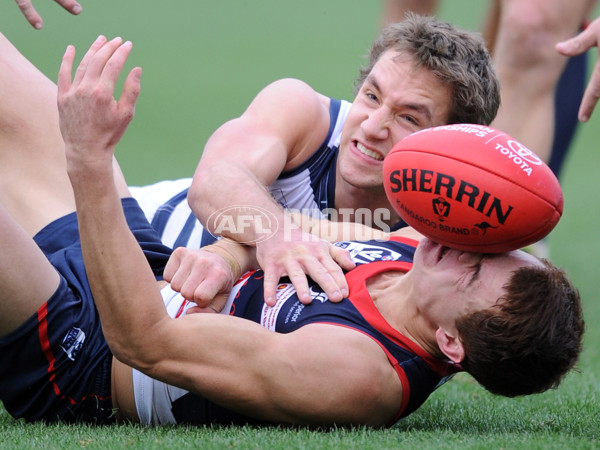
x=359, y=296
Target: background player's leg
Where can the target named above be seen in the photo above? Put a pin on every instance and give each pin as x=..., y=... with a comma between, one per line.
x=529, y=67
x=34, y=186
x=569, y=93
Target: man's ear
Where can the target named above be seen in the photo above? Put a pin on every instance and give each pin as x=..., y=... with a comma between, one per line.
x=450, y=345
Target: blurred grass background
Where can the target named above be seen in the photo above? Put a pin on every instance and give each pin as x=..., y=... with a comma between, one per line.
x=203, y=62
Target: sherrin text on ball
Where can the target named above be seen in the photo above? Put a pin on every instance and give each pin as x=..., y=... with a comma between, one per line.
x=473, y=188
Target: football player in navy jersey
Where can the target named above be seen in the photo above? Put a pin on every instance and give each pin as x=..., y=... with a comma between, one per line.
x=511, y=320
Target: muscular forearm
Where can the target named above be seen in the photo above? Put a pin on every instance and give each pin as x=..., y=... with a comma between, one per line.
x=92, y=123
x=348, y=231
x=116, y=266
x=337, y=231
x=281, y=128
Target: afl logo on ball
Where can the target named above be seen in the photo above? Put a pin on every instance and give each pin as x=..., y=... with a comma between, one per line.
x=441, y=208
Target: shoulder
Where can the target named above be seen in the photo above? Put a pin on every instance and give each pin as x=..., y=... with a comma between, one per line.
x=294, y=96
x=298, y=113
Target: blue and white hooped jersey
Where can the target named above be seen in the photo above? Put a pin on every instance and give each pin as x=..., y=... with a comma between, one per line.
x=307, y=188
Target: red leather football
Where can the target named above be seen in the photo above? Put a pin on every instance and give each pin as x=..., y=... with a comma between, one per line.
x=472, y=188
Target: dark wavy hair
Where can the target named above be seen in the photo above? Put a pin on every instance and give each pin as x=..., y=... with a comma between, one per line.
x=530, y=339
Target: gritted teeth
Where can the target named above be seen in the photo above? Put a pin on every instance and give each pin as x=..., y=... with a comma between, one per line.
x=364, y=150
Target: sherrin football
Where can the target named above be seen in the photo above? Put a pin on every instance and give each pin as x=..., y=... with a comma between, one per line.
x=472, y=188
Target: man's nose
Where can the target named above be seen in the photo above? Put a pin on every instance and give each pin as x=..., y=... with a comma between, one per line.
x=377, y=123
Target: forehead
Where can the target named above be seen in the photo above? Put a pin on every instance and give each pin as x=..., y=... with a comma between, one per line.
x=405, y=64
x=512, y=260
x=496, y=270
x=399, y=79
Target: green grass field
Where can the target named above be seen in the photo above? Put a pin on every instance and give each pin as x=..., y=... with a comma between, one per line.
x=203, y=62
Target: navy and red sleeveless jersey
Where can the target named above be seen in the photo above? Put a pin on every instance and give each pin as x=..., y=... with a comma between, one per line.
x=419, y=373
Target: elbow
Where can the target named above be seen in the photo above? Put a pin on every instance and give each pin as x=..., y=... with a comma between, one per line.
x=196, y=195
x=132, y=353
x=201, y=193
x=203, y=177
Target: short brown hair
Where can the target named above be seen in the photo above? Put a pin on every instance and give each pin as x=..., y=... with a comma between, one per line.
x=457, y=58
x=530, y=339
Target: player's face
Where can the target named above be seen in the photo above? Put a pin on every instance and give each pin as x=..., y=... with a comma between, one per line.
x=451, y=283
x=396, y=99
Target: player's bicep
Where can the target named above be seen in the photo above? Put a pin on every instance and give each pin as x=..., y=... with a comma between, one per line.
x=325, y=374
x=248, y=147
x=284, y=123
x=320, y=374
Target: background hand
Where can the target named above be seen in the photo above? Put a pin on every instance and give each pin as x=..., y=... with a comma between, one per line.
x=588, y=38
x=32, y=16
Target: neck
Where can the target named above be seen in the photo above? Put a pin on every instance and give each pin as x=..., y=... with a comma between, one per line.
x=350, y=200
x=392, y=294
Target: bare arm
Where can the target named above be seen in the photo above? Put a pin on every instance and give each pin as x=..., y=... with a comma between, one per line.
x=202, y=274
x=348, y=231
x=283, y=125
x=340, y=377
x=33, y=17
x=92, y=123
x=343, y=376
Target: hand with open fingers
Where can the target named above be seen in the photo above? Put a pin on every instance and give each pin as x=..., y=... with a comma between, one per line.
x=33, y=17
x=199, y=275
x=298, y=256
x=588, y=38
x=91, y=120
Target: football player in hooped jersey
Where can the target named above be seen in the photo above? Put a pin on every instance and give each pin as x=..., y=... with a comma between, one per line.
x=296, y=148
x=510, y=320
